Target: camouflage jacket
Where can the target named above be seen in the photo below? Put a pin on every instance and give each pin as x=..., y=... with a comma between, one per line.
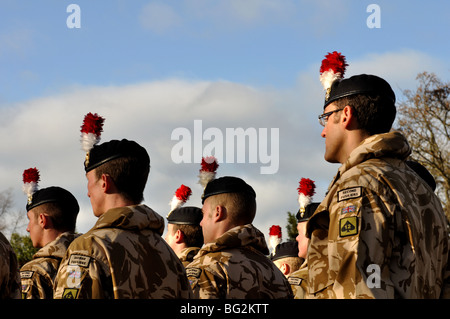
x=9, y=272
x=122, y=256
x=236, y=266
x=186, y=256
x=380, y=232
x=38, y=275
x=299, y=282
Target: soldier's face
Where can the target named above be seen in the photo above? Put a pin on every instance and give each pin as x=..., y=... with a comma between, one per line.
x=207, y=222
x=170, y=236
x=333, y=135
x=34, y=228
x=302, y=240
x=95, y=192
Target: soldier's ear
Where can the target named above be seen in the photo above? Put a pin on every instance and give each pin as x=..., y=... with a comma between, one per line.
x=285, y=268
x=348, y=118
x=179, y=236
x=220, y=213
x=45, y=221
x=107, y=184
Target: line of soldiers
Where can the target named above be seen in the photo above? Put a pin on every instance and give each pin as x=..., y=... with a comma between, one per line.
x=377, y=212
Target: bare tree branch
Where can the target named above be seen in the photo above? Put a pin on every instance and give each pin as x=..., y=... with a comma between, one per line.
x=424, y=119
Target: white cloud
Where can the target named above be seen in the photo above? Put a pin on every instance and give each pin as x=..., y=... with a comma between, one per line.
x=44, y=133
x=399, y=68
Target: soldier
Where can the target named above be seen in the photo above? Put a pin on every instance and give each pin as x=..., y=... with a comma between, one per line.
x=123, y=255
x=184, y=233
x=299, y=279
x=233, y=262
x=9, y=272
x=286, y=258
x=52, y=214
x=380, y=232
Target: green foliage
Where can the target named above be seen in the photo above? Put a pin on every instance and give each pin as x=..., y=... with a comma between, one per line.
x=23, y=247
x=291, y=227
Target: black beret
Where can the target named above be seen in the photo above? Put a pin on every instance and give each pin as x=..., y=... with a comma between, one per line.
x=306, y=215
x=108, y=151
x=188, y=215
x=54, y=194
x=287, y=249
x=359, y=84
x=227, y=184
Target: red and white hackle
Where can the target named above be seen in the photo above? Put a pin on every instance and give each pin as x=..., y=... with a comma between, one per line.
x=208, y=170
x=180, y=197
x=31, y=179
x=90, y=132
x=306, y=190
x=332, y=68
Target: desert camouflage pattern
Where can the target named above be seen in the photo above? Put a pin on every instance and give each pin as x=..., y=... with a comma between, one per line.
x=122, y=256
x=186, y=255
x=9, y=271
x=380, y=232
x=299, y=282
x=236, y=266
x=38, y=275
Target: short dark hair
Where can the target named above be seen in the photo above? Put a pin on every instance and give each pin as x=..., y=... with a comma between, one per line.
x=63, y=219
x=193, y=235
x=241, y=207
x=129, y=174
x=375, y=113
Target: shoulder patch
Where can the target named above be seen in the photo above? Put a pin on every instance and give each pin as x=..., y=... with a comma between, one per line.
x=348, y=226
x=26, y=274
x=25, y=289
x=349, y=193
x=193, y=272
x=348, y=209
x=70, y=293
x=79, y=260
x=295, y=281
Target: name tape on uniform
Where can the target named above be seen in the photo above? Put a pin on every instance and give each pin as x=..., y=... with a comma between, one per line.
x=193, y=272
x=295, y=281
x=26, y=274
x=349, y=193
x=79, y=260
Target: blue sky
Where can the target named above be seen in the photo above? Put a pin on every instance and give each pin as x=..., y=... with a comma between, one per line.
x=262, y=43
x=150, y=67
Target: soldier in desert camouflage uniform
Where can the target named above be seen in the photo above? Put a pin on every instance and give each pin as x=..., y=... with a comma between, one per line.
x=9, y=272
x=184, y=233
x=380, y=232
x=37, y=276
x=285, y=257
x=123, y=255
x=233, y=262
x=299, y=278
x=52, y=215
